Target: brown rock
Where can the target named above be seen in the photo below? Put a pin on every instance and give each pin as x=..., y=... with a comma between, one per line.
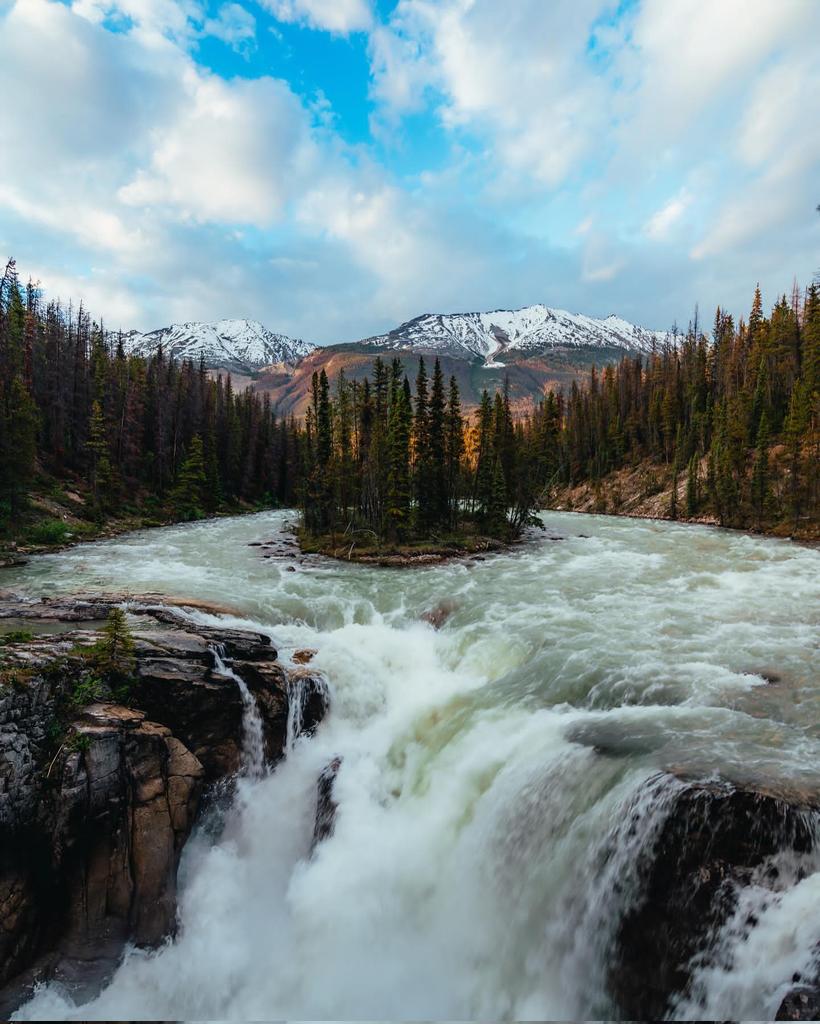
x=303, y=657
x=440, y=614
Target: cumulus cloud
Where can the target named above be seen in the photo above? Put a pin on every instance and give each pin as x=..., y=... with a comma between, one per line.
x=342, y=16
x=664, y=220
x=234, y=25
x=512, y=74
x=236, y=152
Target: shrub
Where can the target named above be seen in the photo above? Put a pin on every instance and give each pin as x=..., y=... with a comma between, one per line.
x=49, y=531
x=87, y=691
x=15, y=636
x=78, y=741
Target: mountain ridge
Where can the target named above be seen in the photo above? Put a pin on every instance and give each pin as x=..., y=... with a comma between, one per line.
x=534, y=348
x=530, y=330
x=237, y=345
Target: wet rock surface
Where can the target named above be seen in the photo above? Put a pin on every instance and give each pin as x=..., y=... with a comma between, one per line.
x=97, y=800
x=801, y=1003
x=326, y=806
x=713, y=837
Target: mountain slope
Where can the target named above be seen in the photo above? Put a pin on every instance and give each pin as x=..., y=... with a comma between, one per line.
x=239, y=346
x=525, y=332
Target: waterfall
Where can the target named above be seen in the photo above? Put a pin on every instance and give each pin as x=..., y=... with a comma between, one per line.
x=303, y=690
x=253, y=733
x=513, y=803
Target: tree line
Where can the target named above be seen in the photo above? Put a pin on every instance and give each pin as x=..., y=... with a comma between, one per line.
x=401, y=462
x=734, y=420
x=731, y=421
x=136, y=430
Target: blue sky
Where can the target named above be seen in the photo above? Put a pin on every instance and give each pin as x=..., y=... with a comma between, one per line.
x=333, y=167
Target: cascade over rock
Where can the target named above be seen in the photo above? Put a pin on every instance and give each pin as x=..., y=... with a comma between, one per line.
x=97, y=801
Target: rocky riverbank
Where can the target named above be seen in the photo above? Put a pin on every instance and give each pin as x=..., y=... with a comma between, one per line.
x=99, y=790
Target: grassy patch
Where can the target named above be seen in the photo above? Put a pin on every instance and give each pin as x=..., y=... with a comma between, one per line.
x=87, y=691
x=15, y=636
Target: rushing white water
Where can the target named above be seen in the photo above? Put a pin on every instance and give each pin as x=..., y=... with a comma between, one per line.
x=494, y=786
x=253, y=731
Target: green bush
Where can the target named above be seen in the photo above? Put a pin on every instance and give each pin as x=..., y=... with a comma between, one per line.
x=78, y=741
x=16, y=636
x=87, y=691
x=49, y=531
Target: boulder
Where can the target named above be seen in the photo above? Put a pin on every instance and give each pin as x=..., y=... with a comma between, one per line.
x=801, y=1003
x=440, y=614
x=714, y=834
x=303, y=657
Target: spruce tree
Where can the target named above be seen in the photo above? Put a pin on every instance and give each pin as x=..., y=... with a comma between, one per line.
x=114, y=654
x=454, y=452
x=692, y=487
x=760, y=473
x=397, y=510
x=437, y=511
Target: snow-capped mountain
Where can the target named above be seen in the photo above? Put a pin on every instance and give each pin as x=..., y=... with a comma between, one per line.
x=239, y=346
x=528, y=331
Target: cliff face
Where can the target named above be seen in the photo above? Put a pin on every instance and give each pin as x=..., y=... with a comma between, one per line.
x=98, y=799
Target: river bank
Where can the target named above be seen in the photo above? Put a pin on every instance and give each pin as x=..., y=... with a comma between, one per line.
x=59, y=514
x=645, y=492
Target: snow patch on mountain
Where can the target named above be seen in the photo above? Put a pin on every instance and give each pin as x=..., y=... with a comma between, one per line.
x=528, y=331
x=239, y=346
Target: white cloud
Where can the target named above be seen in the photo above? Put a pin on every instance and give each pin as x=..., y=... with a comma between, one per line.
x=513, y=74
x=662, y=221
x=237, y=151
x=233, y=24
x=341, y=16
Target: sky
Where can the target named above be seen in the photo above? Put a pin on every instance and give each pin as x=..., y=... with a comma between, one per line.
x=336, y=167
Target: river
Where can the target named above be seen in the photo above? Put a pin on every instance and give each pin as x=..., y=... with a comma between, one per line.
x=485, y=767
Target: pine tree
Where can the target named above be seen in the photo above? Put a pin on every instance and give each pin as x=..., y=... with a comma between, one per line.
x=188, y=497
x=18, y=444
x=496, y=520
x=454, y=452
x=421, y=448
x=100, y=472
x=485, y=458
x=114, y=654
x=760, y=473
x=397, y=509
x=692, y=487
x=438, y=510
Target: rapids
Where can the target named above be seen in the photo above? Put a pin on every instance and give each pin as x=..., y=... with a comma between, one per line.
x=480, y=831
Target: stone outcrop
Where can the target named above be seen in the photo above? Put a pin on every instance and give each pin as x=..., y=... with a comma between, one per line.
x=89, y=858
x=713, y=838
x=325, y=820
x=97, y=800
